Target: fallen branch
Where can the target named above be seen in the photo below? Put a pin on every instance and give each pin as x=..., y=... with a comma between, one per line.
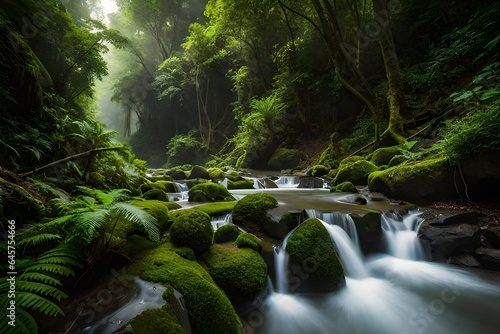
x=73, y=157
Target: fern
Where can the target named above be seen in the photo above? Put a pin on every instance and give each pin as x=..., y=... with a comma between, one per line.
x=140, y=218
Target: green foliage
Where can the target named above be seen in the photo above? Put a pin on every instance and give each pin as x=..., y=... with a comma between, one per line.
x=310, y=245
x=227, y=232
x=241, y=273
x=285, y=158
x=209, y=192
x=248, y=240
x=193, y=229
x=253, y=208
x=186, y=149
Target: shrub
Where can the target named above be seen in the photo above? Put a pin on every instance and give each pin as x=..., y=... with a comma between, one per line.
x=193, y=229
x=228, y=232
x=248, y=240
x=209, y=192
x=182, y=149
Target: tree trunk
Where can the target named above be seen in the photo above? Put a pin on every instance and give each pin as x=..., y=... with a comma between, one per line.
x=398, y=110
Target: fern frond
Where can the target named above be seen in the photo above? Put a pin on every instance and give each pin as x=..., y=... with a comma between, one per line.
x=40, y=277
x=38, y=239
x=97, y=194
x=140, y=218
x=35, y=302
x=119, y=195
x=25, y=323
x=89, y=223
x=52, y=268
x=40, y=289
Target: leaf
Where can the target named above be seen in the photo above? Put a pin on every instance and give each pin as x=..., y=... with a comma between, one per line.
x=490, y=93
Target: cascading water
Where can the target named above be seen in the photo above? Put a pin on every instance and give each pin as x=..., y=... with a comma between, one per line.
x=182, y=195
x=400, y=234
x=221, y=220
x=385, y=295
x=287, y=181
x=343, y=220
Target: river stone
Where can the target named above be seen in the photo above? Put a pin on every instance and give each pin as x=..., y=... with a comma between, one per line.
x=446, y=240
x=465, y=260
x=310, y=182
x=462, y=218
x=492, y=236
x=489, y=258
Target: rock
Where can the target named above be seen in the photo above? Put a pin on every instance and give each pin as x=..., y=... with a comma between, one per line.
x=369, y=231
x=444, y=241
x=209, y=192
x=384, y=155
x=492, y=236
x=465, y=260
x=268, y=183
x=462, y=218
x=198, y=172
x=310, y=182
x=356, y=172
x=252, y=210
x=191, y=228
x=489, y=258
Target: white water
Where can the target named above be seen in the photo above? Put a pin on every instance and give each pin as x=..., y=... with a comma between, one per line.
x=341, y=219
x=182, y=195
x=287, y=181
x=221, y=220
x=394, y=296
x=400, y=234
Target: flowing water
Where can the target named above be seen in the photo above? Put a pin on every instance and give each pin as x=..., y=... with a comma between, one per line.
x=393, y=293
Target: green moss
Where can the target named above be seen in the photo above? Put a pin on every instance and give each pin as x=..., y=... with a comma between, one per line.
x=240, y=272
x=210, y=311
x=285, y=158
x=156, y=194
x=356, y=172
x=228, y=232
x=345, y=187
x=311, y=251
x=193, y=229
x=159, y=320
x=423, y=181
x=216, y=174
x=209, y=192
x=241, y=184
x=233, y=175
x=318, y=171
x=136, y=244
x=172, y=205
x=248, y=240
x=253, y=209
x=166, y=186
x=383, y=155
x=198, y=172
x=217, y=208
x=396, y=160
x=157, y=209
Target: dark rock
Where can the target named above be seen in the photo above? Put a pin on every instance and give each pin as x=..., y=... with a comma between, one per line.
x=310, y=182
x=446, y=240
x=462, y=218
x=369, y=231
x=268, y=183
x=489, y=258
x=465, y=260
x=492, y=236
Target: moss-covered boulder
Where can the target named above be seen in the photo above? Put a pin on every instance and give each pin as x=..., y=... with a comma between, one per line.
x=396, y=160
x=345, y=187
x=216, y=208
x=193, y=229
x=252, y=209
x=227, y=232
x=19, y=204
x=210, y=311
x=285, y=158
x=316, y=267
x=198, y=172
x=156, y=194
x=166, y=186
x=233, y=175
x=158, y=320
x=241, y=184
x=209, y=192
x=216, y=174
x=318, y=171
x=157, y=209
x=248, y=240
x=383, y=155
x=240, y=272
x=417, y=182
x=356, y=172
x=279, y=229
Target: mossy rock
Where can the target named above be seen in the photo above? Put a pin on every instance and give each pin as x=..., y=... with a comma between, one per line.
x=198, y=172
x=241, y=184
x=345, y=187
x=285, y=158
x=227, y=232
x=156, y=194
x=215, y=174
x=233, y=175
x=210, y=311
x=253, y=209
x=136, y=244
x=350, y=160
x=191, y=228
x=158, y=320
x=166, y=186
x=248, y=240
x=217, y=208
x=318, y=170
x=420, y=182
x=157, y=209
x=176, y=174
x=240, y=272
x=209, y=192
x=317, y=266
x=280, y=229
x=383, y=155
x=396, y=160
x=19, y=205
x=356, y=172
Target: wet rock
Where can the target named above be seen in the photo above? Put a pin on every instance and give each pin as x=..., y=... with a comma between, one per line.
x=369, y=232
x=310, y=182
x=462, y=218
x=492, y=236
x=443, y=241
x=465, y=260
x=489, y=258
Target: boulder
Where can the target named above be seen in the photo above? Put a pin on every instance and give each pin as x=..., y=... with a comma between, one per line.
x=209, y=192
x=310, y=182
x=356, y=172
x=492, y=236
x=464, y=260
x=384, y=155
x=489, y=258
x=443, y=241
x=191, y=228
x=252, y=210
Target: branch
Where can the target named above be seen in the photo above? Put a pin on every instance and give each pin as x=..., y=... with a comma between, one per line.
x=72, y=157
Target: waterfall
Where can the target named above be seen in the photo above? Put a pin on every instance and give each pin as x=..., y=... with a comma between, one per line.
x=400, y=233
x=181, y=195
x=218, y=221
x=343, y=220
x=287, y=181
x=281, y=261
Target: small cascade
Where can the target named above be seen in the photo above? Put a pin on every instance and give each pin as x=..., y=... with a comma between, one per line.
x=281, y=261
x=348, y=253
x=287, y=181
x=182, y=195
x=400, y=233
x=221, y=220
x=224, y=182
x=343, y=220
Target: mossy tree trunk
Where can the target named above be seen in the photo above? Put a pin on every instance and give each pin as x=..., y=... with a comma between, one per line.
x=398, y=110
